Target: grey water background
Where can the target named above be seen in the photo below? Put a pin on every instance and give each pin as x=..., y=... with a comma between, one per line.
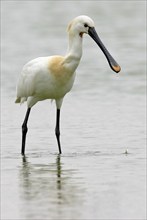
x=101, y=118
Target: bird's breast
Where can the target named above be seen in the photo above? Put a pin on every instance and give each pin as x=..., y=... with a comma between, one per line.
x=60, y=78
x=58, y=69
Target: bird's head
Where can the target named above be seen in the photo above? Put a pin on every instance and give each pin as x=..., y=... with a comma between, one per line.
x=80, y=25
x=84, y=24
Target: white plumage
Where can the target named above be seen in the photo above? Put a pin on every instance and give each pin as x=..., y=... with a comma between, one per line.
x=52, y=77
x=43, y=78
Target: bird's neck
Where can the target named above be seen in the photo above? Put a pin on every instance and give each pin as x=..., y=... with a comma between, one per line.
x=74, y=51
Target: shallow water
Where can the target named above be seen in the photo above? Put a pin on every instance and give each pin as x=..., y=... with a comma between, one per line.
x=101, y=173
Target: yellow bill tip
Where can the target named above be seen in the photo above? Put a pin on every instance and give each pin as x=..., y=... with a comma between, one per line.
x=117, y=69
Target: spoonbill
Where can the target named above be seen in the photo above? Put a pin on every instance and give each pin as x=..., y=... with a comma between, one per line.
x=53, y=76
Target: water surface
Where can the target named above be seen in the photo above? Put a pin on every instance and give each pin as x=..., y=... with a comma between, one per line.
x=101, y=119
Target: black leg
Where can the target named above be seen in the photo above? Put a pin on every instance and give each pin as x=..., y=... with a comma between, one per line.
x=57, y=129
x=24, y=131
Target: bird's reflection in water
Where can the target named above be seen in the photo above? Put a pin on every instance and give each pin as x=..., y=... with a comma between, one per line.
x=59, y=169
x=46, y=189
x=47, y=173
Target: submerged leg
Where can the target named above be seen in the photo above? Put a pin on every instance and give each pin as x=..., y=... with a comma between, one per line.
x=57, y=130
x=24, y=131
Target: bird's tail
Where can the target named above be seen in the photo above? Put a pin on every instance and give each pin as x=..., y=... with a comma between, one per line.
x=20, y=100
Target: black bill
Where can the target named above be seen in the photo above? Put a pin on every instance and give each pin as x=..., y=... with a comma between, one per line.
x=113, y=64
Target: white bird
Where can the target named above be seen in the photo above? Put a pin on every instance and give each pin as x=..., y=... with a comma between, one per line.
x=53, y=76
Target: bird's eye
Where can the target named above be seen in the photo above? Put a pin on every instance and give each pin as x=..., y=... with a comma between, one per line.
x=85, y=25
